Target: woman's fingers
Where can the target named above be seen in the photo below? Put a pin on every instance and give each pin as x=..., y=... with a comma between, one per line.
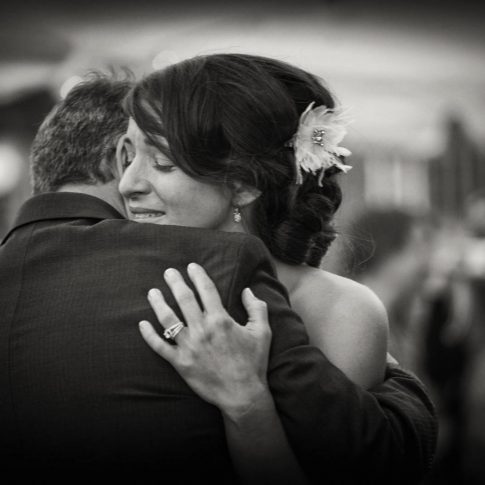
x=165, y=315
x=206, y=289
x=184, y=296
x=156, y=343
x=257, y=310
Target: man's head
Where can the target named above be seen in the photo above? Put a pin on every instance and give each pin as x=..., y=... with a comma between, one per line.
x=76, y=144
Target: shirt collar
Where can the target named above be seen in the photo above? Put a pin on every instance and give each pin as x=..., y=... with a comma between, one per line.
x=63, y=205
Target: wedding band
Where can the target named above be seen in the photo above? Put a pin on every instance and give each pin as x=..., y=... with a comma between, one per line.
x=172, y=331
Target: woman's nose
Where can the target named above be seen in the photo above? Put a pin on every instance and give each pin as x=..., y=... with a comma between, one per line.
x=134, y=181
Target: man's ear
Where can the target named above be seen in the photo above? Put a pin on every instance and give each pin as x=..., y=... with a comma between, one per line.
x=112, y=164
x=243, y=195
x=119, y=157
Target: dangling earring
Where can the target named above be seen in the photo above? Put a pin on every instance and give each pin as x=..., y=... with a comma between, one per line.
x=236, y=213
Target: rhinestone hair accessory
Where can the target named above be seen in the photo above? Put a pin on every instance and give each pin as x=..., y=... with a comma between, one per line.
x=315, y=143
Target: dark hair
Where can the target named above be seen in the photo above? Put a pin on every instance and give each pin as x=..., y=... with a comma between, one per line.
x=76, y=143
x=228, y=117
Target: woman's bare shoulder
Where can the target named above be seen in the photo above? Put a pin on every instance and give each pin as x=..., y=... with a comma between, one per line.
x=343, y=318
x=336, y=293
x=329, y=299
x=347, y=321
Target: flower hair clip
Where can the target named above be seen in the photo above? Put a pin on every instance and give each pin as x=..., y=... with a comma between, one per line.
x=315, y=143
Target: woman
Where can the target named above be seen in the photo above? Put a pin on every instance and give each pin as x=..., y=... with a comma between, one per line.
x=244, y=143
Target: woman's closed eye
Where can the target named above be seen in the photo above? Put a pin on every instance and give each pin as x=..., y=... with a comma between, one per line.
x=163, y=164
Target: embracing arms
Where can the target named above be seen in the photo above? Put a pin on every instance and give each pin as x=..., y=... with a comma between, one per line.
x=336, y=429
x=226, y=365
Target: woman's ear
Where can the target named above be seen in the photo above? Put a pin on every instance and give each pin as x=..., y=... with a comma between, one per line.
x=243, y=195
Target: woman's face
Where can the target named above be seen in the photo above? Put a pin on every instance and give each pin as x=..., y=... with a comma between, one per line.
x=157, y=191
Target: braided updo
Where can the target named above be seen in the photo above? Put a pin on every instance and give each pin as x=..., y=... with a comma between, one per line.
x=227, y=118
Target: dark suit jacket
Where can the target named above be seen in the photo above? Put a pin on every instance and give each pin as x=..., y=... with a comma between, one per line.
x=79, y=387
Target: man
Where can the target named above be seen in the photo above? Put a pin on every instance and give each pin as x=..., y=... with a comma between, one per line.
x=80, y=388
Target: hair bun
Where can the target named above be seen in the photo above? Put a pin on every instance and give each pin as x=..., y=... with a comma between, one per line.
x=306, y=234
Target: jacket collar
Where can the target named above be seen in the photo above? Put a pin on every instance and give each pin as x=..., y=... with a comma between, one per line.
x=63, y=205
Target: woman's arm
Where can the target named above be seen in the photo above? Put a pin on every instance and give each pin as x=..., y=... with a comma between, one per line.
x=347, y=322
x=226, y=364
x=258, y=444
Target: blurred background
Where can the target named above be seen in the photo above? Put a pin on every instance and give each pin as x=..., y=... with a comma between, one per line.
x=412, y=225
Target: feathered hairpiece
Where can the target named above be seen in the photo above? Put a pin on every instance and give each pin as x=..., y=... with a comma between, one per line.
x=315, y=143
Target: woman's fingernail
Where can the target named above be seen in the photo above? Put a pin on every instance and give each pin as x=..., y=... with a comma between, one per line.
x=193, y=267
x=170, y=273
x=249, y=292
x=154, y=293
x=143, y=324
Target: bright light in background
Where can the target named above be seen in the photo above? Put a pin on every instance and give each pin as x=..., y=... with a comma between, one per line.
x=399, y=81
x=11, y=163
x=401, y=69
x=21, y=76
x=69, y=84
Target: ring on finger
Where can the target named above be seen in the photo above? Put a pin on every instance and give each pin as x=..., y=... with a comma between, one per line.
x=171, y=332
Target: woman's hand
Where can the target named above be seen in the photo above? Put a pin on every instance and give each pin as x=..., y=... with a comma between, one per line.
x=223, y=362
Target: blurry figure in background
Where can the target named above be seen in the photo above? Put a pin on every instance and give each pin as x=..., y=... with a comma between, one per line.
x=472, y=277
x=390, y=256
x=454, y=356
x=425, y=288
x=445, y=349
x=433, y=289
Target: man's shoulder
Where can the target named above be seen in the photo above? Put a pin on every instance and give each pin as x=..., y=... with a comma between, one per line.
x=138, y=247
x=134, y=233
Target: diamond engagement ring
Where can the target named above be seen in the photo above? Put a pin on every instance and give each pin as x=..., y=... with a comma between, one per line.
x=171, y=332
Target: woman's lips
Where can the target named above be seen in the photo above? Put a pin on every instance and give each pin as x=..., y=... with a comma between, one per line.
x=139, y=213
x=148, y=215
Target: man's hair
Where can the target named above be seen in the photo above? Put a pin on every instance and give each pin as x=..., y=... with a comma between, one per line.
x=76, y=143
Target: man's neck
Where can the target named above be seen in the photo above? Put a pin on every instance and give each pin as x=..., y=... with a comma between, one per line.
x=107, y=192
